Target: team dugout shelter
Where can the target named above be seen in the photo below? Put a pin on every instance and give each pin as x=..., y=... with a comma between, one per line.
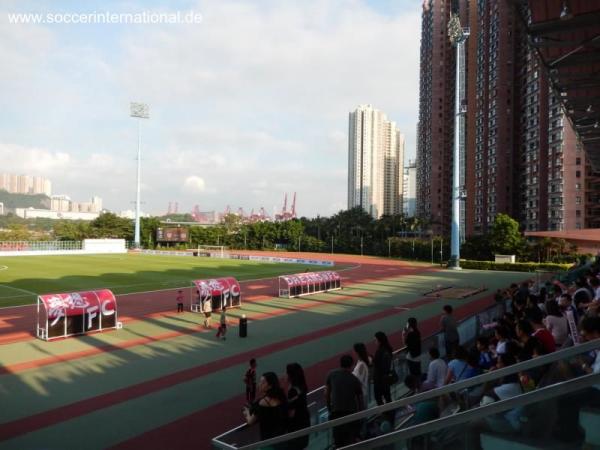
x=70, y=314
x=219, y=291
x=308, y=283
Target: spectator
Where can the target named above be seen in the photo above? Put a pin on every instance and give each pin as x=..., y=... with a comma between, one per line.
x=298, y=415
x=556, y=323
x=270, y=411
x=250, y=381
x=502, y=337
x=527, y=341
x=457, y=367
x=343, y=394
x=486, y=358
x=584, y=294
x=539, y=330
x=590, y=330
x=382, y=366
x=473, y=368
x=450, y=330
x=595, y=285
x=509, y=387
x=523, y=292
x=412, y=340
x=518, y=308
x=566, y=306
x=436, y=372
x=361, y=369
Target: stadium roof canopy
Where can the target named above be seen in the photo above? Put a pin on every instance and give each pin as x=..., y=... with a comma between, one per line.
x=566, y=34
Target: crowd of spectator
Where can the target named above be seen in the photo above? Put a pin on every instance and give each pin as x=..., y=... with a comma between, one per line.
x=538, y=319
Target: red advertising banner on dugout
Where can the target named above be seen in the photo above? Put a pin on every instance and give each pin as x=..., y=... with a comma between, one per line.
x=220, y=291
x=79, y=312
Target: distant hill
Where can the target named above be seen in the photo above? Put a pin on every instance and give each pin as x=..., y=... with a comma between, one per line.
x=12, y=201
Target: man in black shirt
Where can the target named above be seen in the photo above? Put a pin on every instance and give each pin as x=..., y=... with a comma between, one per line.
x=343, y=393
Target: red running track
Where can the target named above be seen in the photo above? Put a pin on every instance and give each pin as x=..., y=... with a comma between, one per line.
x=18, y=323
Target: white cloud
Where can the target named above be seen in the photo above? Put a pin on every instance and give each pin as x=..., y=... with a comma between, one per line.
x=36, y=161
x=194, y=184
x=253, y=101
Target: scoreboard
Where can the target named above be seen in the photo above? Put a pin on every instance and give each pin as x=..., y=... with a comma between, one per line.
x=172, y=234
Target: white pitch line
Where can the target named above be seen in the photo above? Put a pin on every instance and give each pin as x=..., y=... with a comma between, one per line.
x=3, y=267
x=17, y=289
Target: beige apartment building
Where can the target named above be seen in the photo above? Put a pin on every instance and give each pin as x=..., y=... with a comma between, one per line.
x=375, y=162
x=25, y=184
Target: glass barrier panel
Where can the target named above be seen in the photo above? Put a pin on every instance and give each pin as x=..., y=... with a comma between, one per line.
x=562, y=420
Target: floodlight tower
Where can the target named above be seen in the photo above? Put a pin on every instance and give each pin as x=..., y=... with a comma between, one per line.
x=458, y=37
x=138, y=111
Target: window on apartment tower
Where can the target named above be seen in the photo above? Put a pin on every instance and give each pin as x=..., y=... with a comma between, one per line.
x=578, y=174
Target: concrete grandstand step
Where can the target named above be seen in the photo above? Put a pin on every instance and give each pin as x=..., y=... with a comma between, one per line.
x=589, y=419
x=491, y=441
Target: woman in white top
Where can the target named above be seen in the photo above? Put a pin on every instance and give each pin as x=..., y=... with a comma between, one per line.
x=361, y=369
x=556, y=323
x=502, y=336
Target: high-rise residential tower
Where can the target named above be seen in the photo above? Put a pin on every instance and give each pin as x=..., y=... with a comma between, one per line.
x=436, y=117
x=522, y=155
x=375, y=162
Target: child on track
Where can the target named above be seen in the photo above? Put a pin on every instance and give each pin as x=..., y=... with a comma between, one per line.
x=179, y=301
x=222, y=324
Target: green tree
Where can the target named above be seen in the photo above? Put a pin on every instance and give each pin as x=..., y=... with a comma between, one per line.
x=71, y=230
x=505, y=237
x=109, y=225
x=16, y=232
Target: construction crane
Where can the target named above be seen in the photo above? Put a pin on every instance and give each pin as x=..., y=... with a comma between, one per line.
x=285, y=214
x=293, y=211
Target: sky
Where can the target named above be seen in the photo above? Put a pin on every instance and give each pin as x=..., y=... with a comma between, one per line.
x=246, y=104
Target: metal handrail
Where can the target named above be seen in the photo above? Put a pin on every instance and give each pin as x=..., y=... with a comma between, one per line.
x=537, y=395
x=434, y=393
x=396, y=357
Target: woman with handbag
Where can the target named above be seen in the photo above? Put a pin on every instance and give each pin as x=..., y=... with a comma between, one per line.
x=382, y=368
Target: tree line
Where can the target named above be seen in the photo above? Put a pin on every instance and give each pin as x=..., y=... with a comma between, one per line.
x=352, y=231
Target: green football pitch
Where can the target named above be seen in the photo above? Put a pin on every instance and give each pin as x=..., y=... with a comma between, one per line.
x=23, y=277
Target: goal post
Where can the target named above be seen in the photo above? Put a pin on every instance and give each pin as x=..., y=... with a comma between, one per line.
x=214, y=251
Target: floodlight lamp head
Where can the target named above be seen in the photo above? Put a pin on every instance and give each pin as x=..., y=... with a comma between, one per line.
x=455, y=31
x=139, y=110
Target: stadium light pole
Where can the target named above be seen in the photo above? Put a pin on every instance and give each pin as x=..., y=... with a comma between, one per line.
x=458, y=37
x=138, y=111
